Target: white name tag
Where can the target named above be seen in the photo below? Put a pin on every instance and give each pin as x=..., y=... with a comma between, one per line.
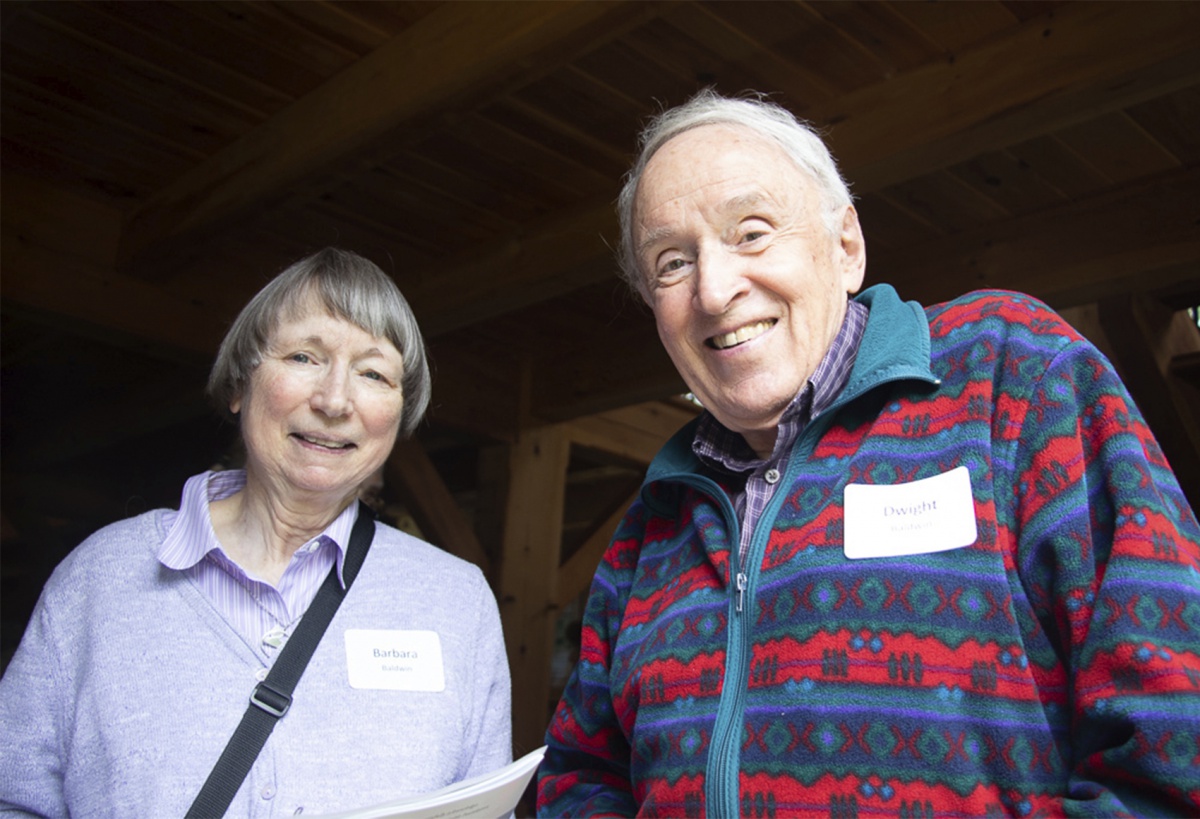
x=395, y=660
x=930, y=515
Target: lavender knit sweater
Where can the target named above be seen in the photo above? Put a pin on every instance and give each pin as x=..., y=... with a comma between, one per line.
x=128, y=684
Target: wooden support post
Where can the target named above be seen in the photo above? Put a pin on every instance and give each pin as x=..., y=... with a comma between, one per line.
x=532, y=543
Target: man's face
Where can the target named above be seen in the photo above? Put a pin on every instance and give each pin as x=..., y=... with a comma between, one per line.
x=747, y=283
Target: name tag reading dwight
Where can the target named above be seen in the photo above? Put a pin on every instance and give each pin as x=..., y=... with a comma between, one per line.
x=395, y=660
x=930, y=515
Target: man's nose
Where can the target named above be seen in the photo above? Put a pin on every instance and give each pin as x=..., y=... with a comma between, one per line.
x=720, y=280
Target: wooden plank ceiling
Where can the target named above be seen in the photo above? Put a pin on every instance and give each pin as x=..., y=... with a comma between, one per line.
x=162, y=160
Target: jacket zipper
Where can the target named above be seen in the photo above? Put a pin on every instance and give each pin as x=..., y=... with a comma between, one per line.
x=724, y=760
x=721, y=770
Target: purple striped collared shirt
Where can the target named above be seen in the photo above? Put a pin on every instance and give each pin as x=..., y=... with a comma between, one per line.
x=725, y=450
x=260, y=612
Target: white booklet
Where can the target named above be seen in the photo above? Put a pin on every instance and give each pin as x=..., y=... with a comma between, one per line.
x=488, y=796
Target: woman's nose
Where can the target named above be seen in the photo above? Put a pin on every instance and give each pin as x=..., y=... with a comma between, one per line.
x=331, y=396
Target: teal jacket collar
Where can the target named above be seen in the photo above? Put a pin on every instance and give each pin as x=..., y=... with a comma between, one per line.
x=895, y=346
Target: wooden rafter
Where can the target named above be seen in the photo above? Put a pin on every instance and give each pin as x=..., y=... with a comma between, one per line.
x=461, y=52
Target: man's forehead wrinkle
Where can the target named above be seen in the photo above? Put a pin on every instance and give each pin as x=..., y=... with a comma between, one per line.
x=733, y=206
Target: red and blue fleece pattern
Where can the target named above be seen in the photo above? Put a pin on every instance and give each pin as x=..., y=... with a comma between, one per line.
x=1050, y=668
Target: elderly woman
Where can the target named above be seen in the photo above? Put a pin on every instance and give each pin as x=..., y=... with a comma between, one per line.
x=150, y=638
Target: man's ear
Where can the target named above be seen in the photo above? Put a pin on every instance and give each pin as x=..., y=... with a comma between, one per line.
x=852, y=250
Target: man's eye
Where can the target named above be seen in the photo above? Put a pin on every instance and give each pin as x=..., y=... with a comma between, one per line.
x=753, y=235
x=672, y=269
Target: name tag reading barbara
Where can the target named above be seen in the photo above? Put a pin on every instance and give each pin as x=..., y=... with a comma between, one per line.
x=395, y=660
x=930, y=515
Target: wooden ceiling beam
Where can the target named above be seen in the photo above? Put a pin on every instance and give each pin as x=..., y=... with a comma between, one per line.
x=55, y=217
x=1138, y=238
x=562, y=254
x=73, y=293
x=540, y=263
x=57, y=256
x=462, y=53
x=924, y=120
x=1075, y=63
x=633, y=433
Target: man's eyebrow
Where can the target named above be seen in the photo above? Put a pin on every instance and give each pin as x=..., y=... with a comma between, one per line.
x=734, y=205
x=653, y=237
x=744, y=202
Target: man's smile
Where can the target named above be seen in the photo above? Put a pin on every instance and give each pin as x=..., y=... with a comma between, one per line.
x=741, y=335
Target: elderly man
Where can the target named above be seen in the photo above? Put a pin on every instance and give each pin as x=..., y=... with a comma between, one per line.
x=909, y=562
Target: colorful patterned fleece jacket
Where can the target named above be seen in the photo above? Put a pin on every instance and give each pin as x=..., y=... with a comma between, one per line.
x=1049, y=667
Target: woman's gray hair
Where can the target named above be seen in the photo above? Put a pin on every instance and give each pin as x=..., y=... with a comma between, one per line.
x=348, y=287
x=799, y=141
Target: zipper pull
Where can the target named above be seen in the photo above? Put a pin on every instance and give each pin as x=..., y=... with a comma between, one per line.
x=741, y=589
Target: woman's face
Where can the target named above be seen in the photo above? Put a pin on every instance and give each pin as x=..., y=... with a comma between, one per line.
x=322, y=410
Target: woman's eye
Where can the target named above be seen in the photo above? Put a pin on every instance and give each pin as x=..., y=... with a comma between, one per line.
x=753, y=235
x=300, y=358
x=382, y=378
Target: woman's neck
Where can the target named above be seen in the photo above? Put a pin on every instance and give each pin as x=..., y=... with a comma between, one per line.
x=261, y=533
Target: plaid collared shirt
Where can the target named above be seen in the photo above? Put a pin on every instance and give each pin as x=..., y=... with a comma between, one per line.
x=727, y=451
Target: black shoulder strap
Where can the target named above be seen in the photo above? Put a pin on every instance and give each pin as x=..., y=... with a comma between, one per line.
x=272, y=697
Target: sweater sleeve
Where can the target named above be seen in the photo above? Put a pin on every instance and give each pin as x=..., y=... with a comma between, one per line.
x=31, y=694
x=1108, y=553
x=586, y=770
x=491, y=717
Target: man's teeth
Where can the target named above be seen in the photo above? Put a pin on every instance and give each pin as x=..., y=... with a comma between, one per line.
x=741, y=334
